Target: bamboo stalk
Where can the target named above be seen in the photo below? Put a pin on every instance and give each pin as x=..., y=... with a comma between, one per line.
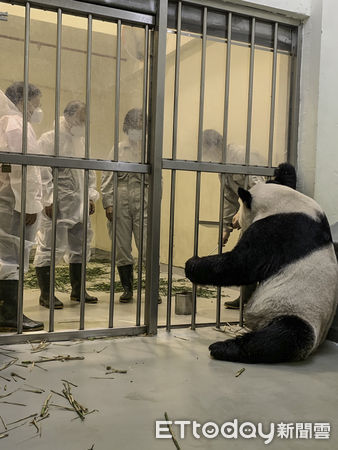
x=172, y=433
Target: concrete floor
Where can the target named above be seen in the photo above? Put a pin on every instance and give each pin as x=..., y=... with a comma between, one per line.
x=170, y=372
x=96, y=316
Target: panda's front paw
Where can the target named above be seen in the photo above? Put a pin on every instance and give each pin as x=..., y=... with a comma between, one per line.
x=190, y=268
x=225, y=350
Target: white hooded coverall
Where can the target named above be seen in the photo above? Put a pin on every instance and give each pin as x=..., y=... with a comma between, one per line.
x=69, y=230
x=10, y=191
x=128, y=218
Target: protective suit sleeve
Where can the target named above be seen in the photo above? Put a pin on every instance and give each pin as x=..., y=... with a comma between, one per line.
x=93, y=193
x=107, y=189
x=230, y=207
x=107, y=185
x=33, y=187
x=46, y=147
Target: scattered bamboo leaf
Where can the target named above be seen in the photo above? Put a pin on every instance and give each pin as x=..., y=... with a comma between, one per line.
x=13, y=403
x=61, y=358
x=10, y=393
x=172, y=433
x=33, y=422
x=5, y=366
x=33, y=387
x=240, y=372
x=6, y=379
x=44, y=409
x=3, y=423
x=13, y=374
x=66, y=381
x=103, y=378
x=112, y=370
x=24, y=418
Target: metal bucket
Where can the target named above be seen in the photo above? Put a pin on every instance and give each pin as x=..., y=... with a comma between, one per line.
x=183, y=303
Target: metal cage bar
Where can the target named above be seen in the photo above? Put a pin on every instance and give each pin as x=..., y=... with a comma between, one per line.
x=24, y=175
x=142, y=186
x=273, y=95
x=250, y=93
x=86, y=174
x=199, y=156
x=155, y=159
x=224, y=158
x=86, y=8
x=55, y=171
x=173, y=172
x=116, y=157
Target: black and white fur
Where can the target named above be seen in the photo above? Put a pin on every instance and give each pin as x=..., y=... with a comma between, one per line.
x=287, y=248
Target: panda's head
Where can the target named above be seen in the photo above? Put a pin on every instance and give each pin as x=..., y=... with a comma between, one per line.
x=264, y=200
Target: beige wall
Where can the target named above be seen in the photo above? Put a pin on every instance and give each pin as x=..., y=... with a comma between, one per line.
x=187, y=141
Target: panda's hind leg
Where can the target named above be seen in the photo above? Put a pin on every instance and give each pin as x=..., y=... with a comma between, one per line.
x=286, y=338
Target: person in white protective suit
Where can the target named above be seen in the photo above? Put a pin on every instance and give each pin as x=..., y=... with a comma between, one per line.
x=128, y=218
x=69, y=230
x=235, y=154
x=11, y=126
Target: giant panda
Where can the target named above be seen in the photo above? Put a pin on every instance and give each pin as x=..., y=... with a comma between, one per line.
x=286, y=247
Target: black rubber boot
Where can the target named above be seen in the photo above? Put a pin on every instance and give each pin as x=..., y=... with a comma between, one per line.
x=75, y=281
x=233, y=304
x=126, y=277
x=9, y=308
x=247, y=292
x=43, y=274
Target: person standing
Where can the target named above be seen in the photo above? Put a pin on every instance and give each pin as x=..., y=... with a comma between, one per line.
x=212, y=151
x=69, y=229
x=128, y=220
x=11, y=129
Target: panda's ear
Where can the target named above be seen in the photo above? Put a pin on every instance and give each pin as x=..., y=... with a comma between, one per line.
x=245, y=196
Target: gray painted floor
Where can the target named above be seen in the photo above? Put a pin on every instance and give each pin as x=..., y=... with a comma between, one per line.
x=169, y=372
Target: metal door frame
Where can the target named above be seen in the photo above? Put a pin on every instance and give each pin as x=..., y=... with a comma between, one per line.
x=158, y=25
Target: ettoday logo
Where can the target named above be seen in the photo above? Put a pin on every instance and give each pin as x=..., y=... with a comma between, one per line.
x=246, y=430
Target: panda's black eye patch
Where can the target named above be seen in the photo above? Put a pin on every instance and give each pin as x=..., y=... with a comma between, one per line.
x=245, y=196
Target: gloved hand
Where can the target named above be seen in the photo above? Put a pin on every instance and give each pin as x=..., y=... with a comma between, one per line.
x=30, y=219
x=91, y=207
x=109, y=213
x=226, y=235
x=235, y=222
x=49, y=211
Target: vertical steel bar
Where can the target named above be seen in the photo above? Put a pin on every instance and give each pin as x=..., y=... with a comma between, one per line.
x=294, y=95
x=199, y=156
x=155, y=159
x=250, y=94
x=273, y=96
x=86, y=174
x=248, y=132
x=224, y=157
x=142, y=186
x=55, y=170
x=227, y=90
x=24, y=174
x=116, y=157
x=173, y=172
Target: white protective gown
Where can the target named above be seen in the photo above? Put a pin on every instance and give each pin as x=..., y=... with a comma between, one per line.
x=10, y=191
x=69, y=230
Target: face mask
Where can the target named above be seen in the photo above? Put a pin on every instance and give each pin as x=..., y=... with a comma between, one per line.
x=212, y=154
x=37, y=116
x=78, y=130
x=135, y=135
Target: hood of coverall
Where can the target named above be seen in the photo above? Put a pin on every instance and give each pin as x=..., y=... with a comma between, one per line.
x=7, y=107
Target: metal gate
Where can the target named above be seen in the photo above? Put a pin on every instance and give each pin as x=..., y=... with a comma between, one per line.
x=84, y=47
